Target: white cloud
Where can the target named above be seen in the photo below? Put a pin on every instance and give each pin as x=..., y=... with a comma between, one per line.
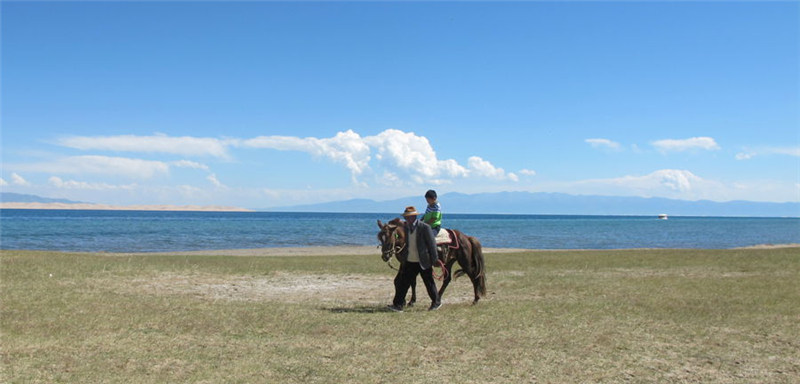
x=398, y=156
x=412, y=157
x=72, y=184
x=186, y=145
x=782, y=151
x=669, y=179
x=672, y=183
x=676, y=180
x=790, y=151
x=346, y=148
x=527, y=172
x=393, y=154
x=694, y=143
x=603, y=143
x=19, y=180
x=189, y=164
x=102, y=165
x=3, y=182
x=483, y=168
x=677, y=184
x=213, y=179
x=135, y=168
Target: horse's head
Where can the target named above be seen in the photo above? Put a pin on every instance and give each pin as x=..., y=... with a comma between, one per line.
x=393, y=239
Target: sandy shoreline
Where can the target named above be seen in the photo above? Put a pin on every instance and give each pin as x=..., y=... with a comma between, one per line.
x=361, y=250
x=298, y=251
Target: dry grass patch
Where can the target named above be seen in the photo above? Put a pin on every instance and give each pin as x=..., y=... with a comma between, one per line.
x=551, y=317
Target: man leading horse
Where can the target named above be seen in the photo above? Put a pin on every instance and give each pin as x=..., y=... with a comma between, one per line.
x=421, y=257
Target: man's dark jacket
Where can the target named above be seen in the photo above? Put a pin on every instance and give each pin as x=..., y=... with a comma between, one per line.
x=426, y=244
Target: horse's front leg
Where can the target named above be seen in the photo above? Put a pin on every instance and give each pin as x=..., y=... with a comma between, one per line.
x=413, y=293
x=448, y=276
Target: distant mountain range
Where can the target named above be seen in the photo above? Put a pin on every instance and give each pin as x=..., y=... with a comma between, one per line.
x=523, y=203
x=10, y=197
x=19, y=201
x=559, y=204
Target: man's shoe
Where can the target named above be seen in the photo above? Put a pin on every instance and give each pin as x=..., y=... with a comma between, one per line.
x=435, y=306
x=394, y=308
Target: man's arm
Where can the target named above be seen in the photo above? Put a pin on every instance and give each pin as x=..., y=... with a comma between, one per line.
x=430, y=242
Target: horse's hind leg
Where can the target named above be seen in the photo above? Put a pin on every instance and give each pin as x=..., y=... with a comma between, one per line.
x=476, y=287
x=478, y=270
x=476, y=283
x=470, y=269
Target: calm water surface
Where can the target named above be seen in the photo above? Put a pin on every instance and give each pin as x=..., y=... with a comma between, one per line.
x=145, y=231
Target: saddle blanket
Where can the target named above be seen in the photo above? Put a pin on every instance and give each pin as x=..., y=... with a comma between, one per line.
x=443, y=237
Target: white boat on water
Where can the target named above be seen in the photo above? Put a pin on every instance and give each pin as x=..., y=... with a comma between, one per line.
x=662, y=216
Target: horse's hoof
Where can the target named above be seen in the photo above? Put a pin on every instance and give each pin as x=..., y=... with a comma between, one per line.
x=410, y=304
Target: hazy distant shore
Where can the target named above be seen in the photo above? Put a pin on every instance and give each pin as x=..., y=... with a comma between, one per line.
x=107, y=207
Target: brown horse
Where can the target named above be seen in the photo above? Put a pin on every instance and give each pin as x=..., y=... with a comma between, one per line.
x=468, y=254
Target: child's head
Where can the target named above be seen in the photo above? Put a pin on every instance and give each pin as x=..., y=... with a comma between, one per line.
x=430, y=196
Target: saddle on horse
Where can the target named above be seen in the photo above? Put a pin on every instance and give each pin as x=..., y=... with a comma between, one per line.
x=448, y=238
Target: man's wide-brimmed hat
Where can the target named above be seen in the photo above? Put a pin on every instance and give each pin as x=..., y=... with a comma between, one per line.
x=410, y=211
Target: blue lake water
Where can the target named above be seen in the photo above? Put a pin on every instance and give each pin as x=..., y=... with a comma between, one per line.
x=146, y=231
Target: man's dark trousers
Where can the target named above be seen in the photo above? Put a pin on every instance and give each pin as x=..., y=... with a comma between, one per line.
x=408, y=273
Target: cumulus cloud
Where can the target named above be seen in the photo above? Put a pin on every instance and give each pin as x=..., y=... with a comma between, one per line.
x=391, y=156
x=694, y=143
x=186, y=145
x=603, y=143
x=407, y=155
x=3, y=182
x=395, y=155
x=347, y=148
x=19, y=180
x=483, y=168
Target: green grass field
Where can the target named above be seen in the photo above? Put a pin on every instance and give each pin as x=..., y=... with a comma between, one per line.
x=705, y=316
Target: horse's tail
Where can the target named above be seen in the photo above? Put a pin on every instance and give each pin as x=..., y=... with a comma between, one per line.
x=479, y=264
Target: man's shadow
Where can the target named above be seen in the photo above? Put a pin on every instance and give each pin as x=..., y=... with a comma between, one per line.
x=359, y=309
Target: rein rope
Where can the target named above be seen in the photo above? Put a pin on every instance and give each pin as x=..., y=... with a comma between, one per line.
x=393, y=252
x=441, y=276
x=398, y=249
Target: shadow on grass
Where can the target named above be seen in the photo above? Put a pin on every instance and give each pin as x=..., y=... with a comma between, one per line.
x=359, y=309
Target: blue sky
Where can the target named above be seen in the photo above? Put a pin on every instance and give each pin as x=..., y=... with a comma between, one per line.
x=261, y=104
